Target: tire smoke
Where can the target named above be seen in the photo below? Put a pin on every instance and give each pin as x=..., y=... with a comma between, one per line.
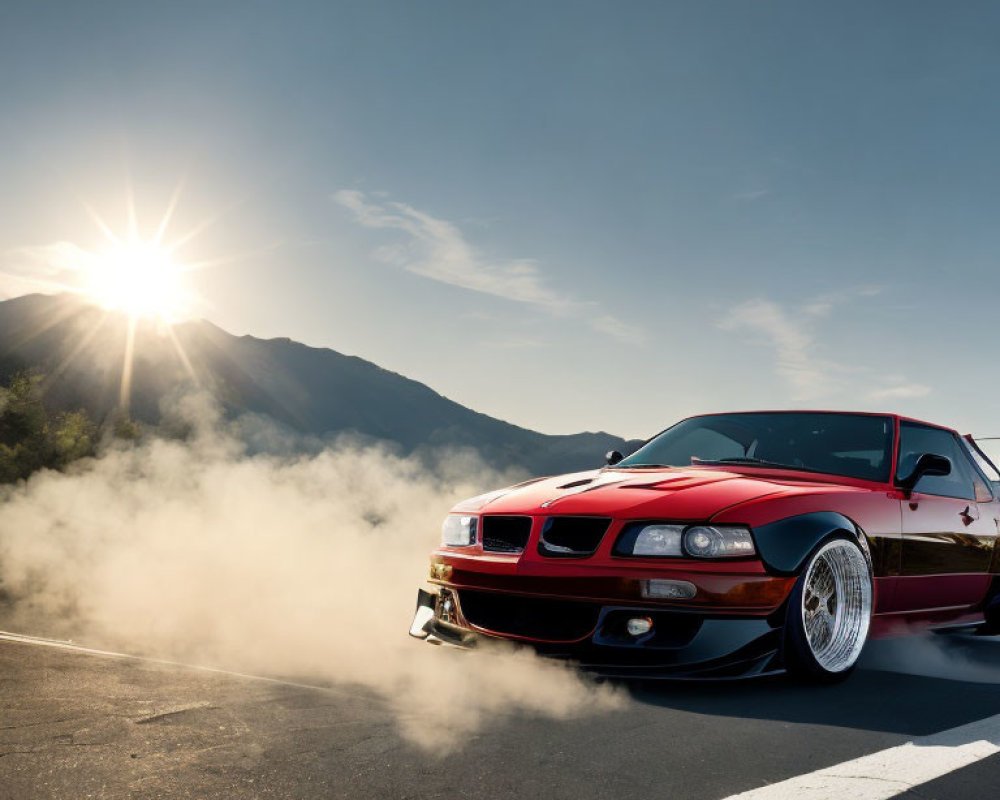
x=292, y=565
x=956, y=657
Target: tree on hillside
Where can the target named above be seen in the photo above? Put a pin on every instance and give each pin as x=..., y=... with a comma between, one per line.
x=31, y=438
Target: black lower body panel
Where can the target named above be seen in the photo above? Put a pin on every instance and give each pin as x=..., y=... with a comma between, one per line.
x=680, y=644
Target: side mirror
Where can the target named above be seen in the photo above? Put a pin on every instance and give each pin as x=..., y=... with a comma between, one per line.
x=927, y=464
x=613, y=457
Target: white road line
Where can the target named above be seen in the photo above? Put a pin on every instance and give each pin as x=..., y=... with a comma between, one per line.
x=60, y=644
x=889, y=772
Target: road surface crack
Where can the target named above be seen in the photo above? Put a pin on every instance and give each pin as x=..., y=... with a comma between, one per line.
x=35, y=724
x=171, y=714
x=16, y=753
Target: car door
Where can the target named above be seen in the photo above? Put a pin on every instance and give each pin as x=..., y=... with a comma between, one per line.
x=949, y=525
x=988, y=469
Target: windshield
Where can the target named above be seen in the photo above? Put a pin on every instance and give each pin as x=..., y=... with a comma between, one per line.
x=853, y=445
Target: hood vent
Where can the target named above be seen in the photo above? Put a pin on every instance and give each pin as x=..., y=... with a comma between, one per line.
x=676, y=484
x=575, y=484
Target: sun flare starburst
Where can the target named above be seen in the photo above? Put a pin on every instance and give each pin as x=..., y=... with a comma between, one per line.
x=139, y=278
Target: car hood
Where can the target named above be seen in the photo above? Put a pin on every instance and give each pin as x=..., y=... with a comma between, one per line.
x=675, y=493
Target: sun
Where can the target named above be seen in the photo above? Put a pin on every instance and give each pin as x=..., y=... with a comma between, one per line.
x=139, y=278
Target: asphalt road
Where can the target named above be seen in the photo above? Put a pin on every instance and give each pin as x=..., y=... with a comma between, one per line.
x=77, y=725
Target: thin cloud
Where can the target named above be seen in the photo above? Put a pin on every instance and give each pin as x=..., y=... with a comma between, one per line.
x=793, y=342
x=56, y=267
x=810, y=376
x=436, y=249
x=612, y=326
x=905, y=390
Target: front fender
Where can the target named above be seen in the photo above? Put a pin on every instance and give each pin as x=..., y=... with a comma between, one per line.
x=785, y=544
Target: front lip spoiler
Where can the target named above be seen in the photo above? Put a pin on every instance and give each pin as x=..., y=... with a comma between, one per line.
x=756, y=652
x=424, y=616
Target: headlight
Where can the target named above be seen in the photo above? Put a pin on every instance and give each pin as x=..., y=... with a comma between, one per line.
x=718, y=541
x=458, y=530
x=651, y=539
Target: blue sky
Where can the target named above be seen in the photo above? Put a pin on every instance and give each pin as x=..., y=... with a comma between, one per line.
x=570, y=215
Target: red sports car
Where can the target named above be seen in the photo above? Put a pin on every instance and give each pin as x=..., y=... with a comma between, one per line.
x=730, y=545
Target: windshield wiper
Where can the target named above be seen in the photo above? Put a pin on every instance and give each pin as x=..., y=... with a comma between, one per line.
x=760, y=462
x=642, y=466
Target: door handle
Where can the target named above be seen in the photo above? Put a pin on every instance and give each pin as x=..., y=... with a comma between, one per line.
x=970, y=515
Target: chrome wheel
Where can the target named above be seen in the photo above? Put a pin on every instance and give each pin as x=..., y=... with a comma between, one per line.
x=836, y=605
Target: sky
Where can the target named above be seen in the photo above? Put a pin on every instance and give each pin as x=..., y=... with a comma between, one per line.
x=568, y=215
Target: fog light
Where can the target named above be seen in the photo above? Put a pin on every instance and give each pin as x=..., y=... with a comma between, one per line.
x=657, y=589
x=447, y=607
x=441, y=572
x=639, y=626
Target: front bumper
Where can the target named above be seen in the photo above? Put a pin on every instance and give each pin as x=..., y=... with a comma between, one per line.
x=680, y=644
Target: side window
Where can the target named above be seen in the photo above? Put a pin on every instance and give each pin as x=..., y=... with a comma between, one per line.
x=915, y=440
x=986, y=468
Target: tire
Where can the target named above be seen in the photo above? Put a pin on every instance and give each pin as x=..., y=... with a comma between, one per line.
x=991, y=625
x=829, y=613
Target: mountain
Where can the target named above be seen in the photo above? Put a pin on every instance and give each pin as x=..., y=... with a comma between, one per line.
x=315, y=391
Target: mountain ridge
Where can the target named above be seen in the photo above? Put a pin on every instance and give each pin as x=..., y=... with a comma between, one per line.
x=310, y=390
